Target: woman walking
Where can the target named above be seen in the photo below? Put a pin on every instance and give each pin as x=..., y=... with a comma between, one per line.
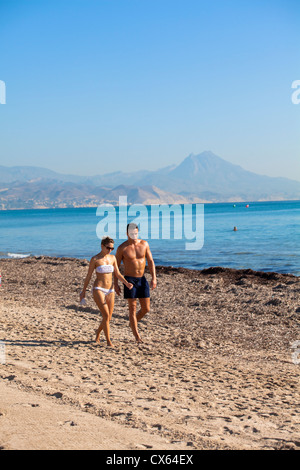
x=105, y=265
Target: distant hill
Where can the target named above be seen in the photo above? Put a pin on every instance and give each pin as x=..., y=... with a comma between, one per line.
x=198, y=178
x=49, y=193
x=32, y=173
x=210, y=177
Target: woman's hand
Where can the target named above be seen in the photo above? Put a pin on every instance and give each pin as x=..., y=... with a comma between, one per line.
x=117, y=289
x=129, y=285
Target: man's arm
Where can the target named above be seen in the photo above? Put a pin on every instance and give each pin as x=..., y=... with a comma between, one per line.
x=151, y=266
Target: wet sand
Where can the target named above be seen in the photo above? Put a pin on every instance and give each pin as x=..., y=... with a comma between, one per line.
x=216, y=369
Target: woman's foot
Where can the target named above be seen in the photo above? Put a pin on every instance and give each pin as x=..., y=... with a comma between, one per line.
x=97, y=340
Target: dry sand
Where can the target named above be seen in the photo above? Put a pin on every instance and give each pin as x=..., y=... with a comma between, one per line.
x=215, y=371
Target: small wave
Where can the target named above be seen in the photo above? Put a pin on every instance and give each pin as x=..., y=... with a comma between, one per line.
x=17, y=255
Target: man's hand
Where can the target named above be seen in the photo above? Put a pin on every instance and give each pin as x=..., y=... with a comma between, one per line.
x=153, y=284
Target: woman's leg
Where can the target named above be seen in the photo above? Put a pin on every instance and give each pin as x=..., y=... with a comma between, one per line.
x=100, y=300
x=110, y=300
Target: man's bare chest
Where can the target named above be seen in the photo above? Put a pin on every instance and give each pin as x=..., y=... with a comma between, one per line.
x=134, y=252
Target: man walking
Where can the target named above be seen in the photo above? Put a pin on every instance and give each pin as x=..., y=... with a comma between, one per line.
x=134, y=253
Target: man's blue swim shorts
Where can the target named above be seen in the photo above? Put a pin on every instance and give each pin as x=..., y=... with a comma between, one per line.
x=140, y=290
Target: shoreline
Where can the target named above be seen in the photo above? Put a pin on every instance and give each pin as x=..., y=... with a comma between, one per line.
x=242, y=201
x=215, y=371
x=167, y=268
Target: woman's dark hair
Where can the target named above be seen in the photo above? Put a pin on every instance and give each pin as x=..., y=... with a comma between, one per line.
x=106, y=240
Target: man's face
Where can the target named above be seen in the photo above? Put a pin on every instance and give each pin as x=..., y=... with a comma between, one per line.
x=133, y=233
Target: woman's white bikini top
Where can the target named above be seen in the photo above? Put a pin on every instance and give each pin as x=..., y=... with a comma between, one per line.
x=105, y=268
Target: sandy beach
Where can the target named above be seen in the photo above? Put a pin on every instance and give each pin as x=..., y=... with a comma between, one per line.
x=216, y=369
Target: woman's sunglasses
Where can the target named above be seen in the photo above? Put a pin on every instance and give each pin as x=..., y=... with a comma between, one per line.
x=109, y=247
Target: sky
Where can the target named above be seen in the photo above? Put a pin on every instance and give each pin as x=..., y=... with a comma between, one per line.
x=97, y=86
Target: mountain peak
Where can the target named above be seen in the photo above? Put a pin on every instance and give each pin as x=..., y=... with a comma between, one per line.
x=204, y=156
x=205, y=176
x=205, y=153
x=194, y=165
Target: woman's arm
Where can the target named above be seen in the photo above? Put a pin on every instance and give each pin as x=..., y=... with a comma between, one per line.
x=119, y=275
x=88, y=278
x=119, y=260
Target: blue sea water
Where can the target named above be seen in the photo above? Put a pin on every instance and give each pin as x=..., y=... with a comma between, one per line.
x=267, y=236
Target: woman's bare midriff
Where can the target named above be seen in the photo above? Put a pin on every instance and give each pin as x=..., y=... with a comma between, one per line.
x=104, y=280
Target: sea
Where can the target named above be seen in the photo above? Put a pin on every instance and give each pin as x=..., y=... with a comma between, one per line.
x=262, y=236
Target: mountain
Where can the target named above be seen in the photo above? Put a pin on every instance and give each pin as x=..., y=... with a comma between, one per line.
x=32, y=173
x=49, y=194
x=210, y=177
x=198, y=178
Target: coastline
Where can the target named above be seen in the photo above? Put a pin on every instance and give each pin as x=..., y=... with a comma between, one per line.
x=266, y=238
x=115, y=204
x=215, y=370
x=163, y=268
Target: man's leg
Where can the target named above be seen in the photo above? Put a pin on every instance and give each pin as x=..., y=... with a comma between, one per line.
x=133, y=319
x=145, y=308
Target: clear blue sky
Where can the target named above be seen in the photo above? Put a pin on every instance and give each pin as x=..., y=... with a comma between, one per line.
x=95, y=86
